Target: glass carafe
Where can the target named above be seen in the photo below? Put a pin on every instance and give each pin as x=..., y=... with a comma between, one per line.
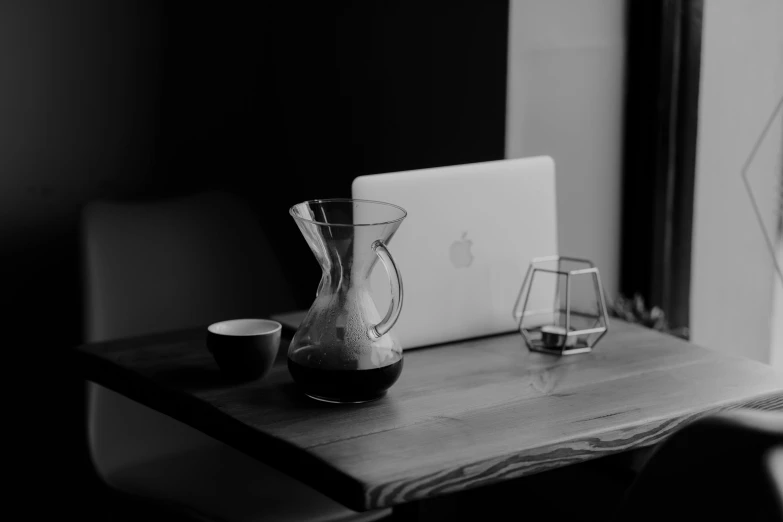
x=344, y=350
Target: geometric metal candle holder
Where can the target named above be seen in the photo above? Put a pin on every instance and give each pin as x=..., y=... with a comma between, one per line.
x=561, y=307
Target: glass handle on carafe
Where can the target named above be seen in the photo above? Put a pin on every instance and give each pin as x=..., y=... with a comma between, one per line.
x=395, y=306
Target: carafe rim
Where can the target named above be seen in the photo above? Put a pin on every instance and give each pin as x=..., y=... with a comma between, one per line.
x=347, y=200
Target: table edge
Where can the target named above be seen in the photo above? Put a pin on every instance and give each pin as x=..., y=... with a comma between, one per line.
x=523, y=464
x=199, y=415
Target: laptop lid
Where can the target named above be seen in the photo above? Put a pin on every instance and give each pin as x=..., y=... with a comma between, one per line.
x=465, y=245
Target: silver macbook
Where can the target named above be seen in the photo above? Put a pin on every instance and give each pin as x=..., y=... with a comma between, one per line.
x=465, y=246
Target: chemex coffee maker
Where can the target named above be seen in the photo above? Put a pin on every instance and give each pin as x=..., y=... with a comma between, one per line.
x=344, y=351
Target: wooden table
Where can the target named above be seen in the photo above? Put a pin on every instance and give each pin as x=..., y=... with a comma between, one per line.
x=462, y=415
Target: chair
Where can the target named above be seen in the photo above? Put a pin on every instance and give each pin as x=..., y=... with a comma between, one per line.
x=174, y=264
x=726, y=466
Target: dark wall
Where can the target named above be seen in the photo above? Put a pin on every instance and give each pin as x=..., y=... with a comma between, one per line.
x=136, y=100
x=309, y=98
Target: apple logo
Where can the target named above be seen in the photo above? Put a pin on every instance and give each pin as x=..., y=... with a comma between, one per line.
x=460, y=254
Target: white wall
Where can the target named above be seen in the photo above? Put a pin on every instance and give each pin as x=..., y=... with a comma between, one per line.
x=776, y=355
x=732, y=269
x=565, y=99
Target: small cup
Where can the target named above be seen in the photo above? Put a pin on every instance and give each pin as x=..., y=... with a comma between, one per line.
x=244, y=349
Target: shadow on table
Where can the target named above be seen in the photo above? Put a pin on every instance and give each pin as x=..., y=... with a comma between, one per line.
x=194, y=377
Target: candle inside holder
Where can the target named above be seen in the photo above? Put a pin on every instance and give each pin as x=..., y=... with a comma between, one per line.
x=555, y=337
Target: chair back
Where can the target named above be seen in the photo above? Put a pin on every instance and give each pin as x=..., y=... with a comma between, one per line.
x=723, y=466
x=179, y=263
x=167, y=265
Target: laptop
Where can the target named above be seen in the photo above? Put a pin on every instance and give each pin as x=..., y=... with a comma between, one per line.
x=465, y=246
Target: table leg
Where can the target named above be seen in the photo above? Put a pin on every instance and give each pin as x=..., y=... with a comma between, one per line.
x=441, y=509
x=410, y=512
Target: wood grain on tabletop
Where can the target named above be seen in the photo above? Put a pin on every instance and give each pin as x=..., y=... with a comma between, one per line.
x=461, y=415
